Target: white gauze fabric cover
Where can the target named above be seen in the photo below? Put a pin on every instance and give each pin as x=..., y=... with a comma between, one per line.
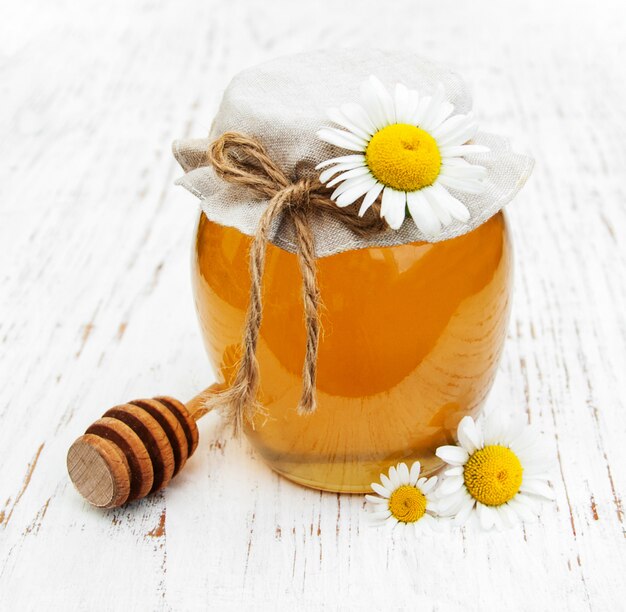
x=283, y=102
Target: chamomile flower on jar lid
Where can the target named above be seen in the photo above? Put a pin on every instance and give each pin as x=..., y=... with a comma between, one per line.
x=403, y=499
x=404, y=139
x=410, y=148
x=499, y=473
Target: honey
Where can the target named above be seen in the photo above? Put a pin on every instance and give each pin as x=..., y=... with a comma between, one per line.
x=411, y=340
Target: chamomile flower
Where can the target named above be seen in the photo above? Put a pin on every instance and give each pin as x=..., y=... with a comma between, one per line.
x=499, y=473
x=410, y=148
x=403, y=498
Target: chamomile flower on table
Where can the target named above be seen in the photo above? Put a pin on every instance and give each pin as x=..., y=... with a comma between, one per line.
x=498, y=472
x=409, y=147
x=403, y=499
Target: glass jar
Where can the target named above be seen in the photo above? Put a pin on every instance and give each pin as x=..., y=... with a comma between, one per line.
x=411, y=339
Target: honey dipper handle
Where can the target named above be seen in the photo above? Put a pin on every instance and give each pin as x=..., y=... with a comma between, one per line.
x=135, y=449
x=195, y=405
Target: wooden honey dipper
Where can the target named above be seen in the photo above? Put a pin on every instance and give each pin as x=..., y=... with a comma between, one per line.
x=135, y=449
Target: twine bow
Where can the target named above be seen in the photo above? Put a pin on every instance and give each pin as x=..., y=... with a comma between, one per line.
x=242, y=160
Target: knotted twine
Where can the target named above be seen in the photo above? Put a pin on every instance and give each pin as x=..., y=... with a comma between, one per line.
x=241, y=160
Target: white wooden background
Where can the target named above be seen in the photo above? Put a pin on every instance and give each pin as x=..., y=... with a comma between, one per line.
x=96, y=308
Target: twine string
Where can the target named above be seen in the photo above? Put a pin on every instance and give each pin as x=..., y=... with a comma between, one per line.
x=241, y=160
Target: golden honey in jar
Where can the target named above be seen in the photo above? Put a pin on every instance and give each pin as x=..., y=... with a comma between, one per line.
x=411, y=340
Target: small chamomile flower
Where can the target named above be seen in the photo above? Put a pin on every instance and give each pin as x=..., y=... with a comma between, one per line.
x=499, y=473
x=403, y=499
x=409, y=147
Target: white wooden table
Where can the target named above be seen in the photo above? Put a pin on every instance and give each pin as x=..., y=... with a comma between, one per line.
x=96, y=308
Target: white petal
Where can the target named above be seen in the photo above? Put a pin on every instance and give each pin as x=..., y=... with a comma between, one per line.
x=454, y=455
x=456, y=161
x=341, y=160
x=462, y=185
x=338, y=117
x=358, y=115
x=494, y=428
x=469, y=435
x=373, y=499
x=537, y=487
x=456, y=131
x=536, y=460
x=462, y=136
x=420, y=108
x=358, y=140
x=422, y=213
x=429, y=117
x=430, y=522
x=485, y=516
x=380, y=490
x=429, y=485
x=342, y=139
x=370, y=198
x=536, y=470
x=521, y=510
x=466, y=170
x=440, y=524
x=412, y=104
x=380, y=516
x=498, y=522
x=373, y=106
x=377, y=523
x=403, y=104
x=432, y=505
x=527, y=504
x=530, y=501
x=450, y=485
x=438, y=111
x=517, y=425
x=360, y=171
x=386, y=482
x=377, y=518
x=450, y=126
x=351, y=195
x=507, y=516
x=534, y=444
x=526, y=439
x=391, y=523
x=393, y=476
x=403, y=474
x=329, y=172
x=453, y=151
x=350, y=184
x=444, y=216
x=415, y=472
x=427, y=519
x=393, y=207
x=385, y=99
x=455, y=471
x=464, y=510
x=450, y=504
x=441, y=115
x=455, y=207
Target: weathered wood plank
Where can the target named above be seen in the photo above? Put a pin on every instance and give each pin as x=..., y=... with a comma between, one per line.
x=96, y=309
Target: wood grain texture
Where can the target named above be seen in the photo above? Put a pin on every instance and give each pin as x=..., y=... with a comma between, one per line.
x=95, y=308
x=140, y=468
x=99, y=470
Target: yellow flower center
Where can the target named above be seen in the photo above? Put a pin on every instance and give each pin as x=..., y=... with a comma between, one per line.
x=407, y=504
x=493, y=475
x=403, y=157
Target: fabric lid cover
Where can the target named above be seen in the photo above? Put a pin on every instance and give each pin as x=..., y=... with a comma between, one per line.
x=283, y=103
